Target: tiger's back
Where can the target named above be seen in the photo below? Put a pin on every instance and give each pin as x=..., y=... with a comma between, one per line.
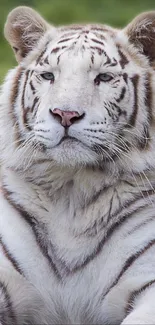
x=77, y=235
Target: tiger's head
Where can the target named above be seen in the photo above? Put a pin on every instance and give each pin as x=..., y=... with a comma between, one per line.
x=81, y=94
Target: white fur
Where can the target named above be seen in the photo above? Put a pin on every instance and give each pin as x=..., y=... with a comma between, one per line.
x=58, y=186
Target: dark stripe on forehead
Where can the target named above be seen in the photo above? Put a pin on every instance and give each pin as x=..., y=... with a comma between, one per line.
x=100, y=36
x=40, y=56
x=42, y=53
x=72, y=28
x=123, y=59
x=46, y=61
x=55, y=50
x=98, y=49
x=70, y=35
x=114, y=63
x=97, y=41
x=58, y=58
x=99, y=28
x=104, y=30
x=65, y=40
x=135, y=81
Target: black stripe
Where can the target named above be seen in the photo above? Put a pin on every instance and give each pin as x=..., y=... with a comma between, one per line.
x=46, y=61
x=25, y=110
x=144, y=138
x=133, y=116
x=77, y=28
x=101, y=29
x=42, y=53
x=65, y=40
x=58, y=59
x=121, y=97
x=98, y=49
x=97, y=41
x=10, y=257
x=55, y=50
x=36, y=99
x=35, y=225
x=7, y=315
x=32, y=87
x=24, y=88
x=148, y=96
x=115, y=226
x=123, y=59
x=13, y=98
x=16, y=84
x=129, y=263
x=141, y=225
x=25, y=119
x=32, y=221
x=108, y=59
x=40, y=56
x=135, y=294
x=99, y=36
x=114, y=63
x=92, y=59
x=125, y=77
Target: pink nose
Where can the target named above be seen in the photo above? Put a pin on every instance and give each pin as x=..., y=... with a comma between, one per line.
x=66, y=118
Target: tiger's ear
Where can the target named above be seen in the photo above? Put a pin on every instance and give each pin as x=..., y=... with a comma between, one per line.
x=141, y=33
x=23, y=28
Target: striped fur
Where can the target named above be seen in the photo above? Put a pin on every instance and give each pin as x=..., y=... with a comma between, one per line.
x=77, y=217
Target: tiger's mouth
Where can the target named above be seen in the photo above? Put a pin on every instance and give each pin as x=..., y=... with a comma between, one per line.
x=69, y=139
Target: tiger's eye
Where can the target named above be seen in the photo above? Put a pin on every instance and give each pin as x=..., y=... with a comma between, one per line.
x=48, y=76
x=103, y=77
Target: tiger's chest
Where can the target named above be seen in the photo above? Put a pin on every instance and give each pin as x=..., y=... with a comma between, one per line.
x=82, y=276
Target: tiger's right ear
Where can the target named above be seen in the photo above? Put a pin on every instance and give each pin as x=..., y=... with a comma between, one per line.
x=23, y=29
x=141, y=33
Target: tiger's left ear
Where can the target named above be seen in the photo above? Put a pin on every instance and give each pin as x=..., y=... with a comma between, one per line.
x=23, y=28
x=141, y=33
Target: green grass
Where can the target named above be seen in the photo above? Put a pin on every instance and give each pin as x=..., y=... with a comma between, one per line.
x=113, y=12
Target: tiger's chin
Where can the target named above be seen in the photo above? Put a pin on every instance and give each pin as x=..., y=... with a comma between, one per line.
x=72, y=153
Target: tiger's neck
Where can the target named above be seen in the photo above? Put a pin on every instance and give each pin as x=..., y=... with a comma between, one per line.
x=78, y=187
x=71, y=188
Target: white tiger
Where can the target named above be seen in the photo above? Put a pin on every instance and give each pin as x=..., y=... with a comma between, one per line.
x=77, y=217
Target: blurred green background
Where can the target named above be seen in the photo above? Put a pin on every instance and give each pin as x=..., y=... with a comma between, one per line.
x=114, y=12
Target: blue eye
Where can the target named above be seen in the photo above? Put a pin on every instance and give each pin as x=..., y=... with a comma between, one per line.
x=103, y=77
x=48, y=76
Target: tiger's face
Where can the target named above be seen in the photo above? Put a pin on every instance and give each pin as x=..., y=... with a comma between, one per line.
x=84, y=92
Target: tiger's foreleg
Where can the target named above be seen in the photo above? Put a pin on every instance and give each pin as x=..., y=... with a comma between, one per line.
x=20, y=303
